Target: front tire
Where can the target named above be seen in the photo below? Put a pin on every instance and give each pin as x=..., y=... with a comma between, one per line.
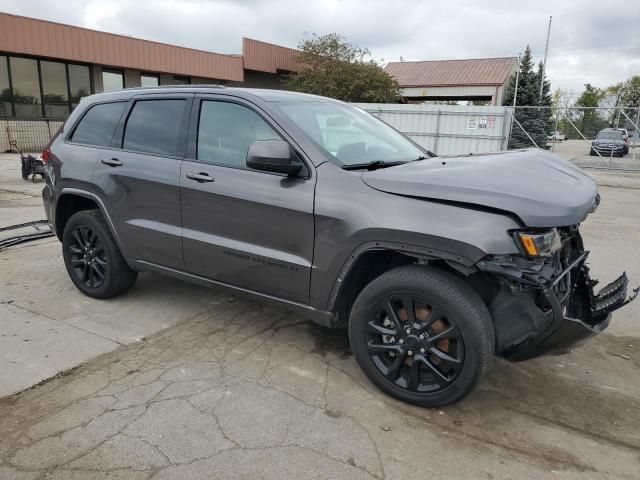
x=92, y=257
x=422, y=335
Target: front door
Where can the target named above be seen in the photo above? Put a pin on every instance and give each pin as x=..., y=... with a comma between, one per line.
x=138, y=179
x=246, y=228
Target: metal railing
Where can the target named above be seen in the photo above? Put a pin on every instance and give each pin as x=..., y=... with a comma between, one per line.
x=31, y=135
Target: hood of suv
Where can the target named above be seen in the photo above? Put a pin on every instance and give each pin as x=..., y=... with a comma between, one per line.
x=540, y=188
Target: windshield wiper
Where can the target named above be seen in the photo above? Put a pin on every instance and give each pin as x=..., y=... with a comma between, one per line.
x=374, y=165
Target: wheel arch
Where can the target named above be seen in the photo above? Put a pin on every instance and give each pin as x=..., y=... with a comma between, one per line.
x=375, y=258
x=73, y=200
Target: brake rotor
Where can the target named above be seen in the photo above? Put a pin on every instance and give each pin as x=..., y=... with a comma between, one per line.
x=422, y=313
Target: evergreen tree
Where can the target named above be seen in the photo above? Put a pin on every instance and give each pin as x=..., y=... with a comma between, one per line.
x=536, y=121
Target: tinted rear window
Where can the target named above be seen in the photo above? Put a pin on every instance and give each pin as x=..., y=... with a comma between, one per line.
x=154, y=126
x=98, y=124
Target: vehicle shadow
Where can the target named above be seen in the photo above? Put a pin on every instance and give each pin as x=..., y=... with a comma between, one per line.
x=582, y=391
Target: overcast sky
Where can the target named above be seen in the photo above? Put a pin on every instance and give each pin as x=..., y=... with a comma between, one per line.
x=591, y=40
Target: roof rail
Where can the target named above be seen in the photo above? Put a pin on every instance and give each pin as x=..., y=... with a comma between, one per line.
x=200, y=85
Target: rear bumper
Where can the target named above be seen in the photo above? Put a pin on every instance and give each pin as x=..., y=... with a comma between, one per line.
x=47, y=201
x=557, y=316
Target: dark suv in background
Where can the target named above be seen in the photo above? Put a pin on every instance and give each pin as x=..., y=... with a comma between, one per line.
x=434, y=264
x=610, y=141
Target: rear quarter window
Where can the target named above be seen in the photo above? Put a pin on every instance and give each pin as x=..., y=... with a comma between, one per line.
x=97, y=125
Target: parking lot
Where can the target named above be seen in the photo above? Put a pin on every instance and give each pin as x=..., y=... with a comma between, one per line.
x=176, y=381
x=578, y=152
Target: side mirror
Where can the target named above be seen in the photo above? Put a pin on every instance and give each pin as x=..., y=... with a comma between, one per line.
x=272, y=156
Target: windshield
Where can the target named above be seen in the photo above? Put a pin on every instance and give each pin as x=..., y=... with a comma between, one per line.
x=349, y=134
x=610, y=135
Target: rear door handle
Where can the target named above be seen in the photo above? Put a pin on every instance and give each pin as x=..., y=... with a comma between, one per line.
x=200, y=177
x=112, y=162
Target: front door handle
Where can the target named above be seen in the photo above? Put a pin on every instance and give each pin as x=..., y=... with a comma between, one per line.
x=112, y=162
x=200, y=177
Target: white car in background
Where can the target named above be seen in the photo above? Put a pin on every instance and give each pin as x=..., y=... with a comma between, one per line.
x=556, y=137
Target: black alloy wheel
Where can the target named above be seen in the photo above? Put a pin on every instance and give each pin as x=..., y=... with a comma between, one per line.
x=414, y=343
x=92, y=257
x=87, y=256
x=422, y=335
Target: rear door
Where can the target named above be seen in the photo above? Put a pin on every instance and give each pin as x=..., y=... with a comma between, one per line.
x=243, y=227
x=138, y=178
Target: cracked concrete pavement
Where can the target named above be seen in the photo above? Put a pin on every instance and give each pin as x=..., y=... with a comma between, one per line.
x=250, y=391
x=230, y=388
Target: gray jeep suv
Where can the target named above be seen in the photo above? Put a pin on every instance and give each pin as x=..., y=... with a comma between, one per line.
x=434, y=264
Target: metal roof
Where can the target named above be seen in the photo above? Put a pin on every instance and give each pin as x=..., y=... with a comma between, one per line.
x=440, y=73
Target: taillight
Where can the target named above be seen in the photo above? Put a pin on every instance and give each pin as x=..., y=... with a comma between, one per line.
x=46, y=155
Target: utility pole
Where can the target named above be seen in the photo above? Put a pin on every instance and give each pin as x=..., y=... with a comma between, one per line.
x=515, y=101
x=544, y=62
x=515, y=90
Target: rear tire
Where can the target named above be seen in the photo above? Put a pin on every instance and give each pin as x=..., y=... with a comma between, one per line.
x=92, y=257
x=410, y=359
x=24, y=170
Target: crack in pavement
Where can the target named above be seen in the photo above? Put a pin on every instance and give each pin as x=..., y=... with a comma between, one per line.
x=154, y=397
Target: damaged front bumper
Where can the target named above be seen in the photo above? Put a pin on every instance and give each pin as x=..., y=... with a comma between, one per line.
x=549, y=307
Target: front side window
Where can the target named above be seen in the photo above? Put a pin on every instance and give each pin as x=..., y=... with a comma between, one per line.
x=226, y=130
x=26, y=87
x=154, y=126
x=54, y=87
x=98, y=124
x=112, y=80
x=348, y=134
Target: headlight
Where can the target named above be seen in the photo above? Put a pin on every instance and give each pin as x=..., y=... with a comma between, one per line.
x=539, y=244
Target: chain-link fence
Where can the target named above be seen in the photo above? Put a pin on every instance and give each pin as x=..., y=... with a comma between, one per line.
x=590, y=137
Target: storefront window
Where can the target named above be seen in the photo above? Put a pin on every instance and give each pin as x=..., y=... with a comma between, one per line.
x=112, y=80
x=79, y=83
x=181, y=80
x=26, y=87
x=5, y=89
x=31, y=88
x=54, y=88
x=148, y=80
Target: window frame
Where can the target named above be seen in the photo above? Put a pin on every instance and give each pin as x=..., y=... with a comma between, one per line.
x=118, y=137
x=38, y=59
x=92, y=89
x=194, y=125
x=38, y=79
x=69, y=137
x=42, y=91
